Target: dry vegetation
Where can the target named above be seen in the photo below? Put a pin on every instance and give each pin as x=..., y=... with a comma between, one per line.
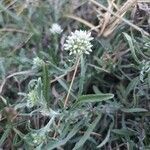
x=52, y=100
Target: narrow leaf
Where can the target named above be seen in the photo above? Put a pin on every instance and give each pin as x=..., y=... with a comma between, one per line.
x=105, y=140
x=46, y=84
x=130, y=42
x=5, y=135
x=94, y=98
x=86, y=135
x=133, y=110
x=123, y=132
x=55, y=144
x=131, y=86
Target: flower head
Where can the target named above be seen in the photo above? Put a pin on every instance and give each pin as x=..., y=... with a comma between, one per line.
x=56, y=29
x=37, y=62
x=32, y=98
x=37, y=138
x=79, y=42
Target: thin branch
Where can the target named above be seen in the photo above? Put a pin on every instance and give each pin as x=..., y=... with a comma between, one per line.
x=66, y=100
x=13, y=30
x=12, y=75
x=123, y=19
x=74, y=74
x=21, y=44
x=83, y=21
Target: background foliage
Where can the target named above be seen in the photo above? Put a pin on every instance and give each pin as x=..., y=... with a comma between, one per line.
x=109, y=105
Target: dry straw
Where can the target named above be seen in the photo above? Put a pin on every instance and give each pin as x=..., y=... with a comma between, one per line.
x=111, y=18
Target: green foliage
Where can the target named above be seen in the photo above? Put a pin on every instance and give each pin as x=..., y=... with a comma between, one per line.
x=108, y=105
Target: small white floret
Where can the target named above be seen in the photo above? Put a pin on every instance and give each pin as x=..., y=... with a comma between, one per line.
x=56, y=29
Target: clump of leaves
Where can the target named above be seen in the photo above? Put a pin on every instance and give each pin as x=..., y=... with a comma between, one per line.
x=50, y=99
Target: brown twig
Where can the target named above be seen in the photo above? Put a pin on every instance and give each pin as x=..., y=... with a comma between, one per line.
x=83, y=21
x=66, y=99
x=92, y=133
x=120, y=18
x=13, y=30
x=21, y=44
x=73, y=77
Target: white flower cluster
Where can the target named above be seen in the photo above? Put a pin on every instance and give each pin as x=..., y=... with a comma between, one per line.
x=56, y=29
x=32, y=98
x=37, y=62
x=79, y=43
x=37, y=138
